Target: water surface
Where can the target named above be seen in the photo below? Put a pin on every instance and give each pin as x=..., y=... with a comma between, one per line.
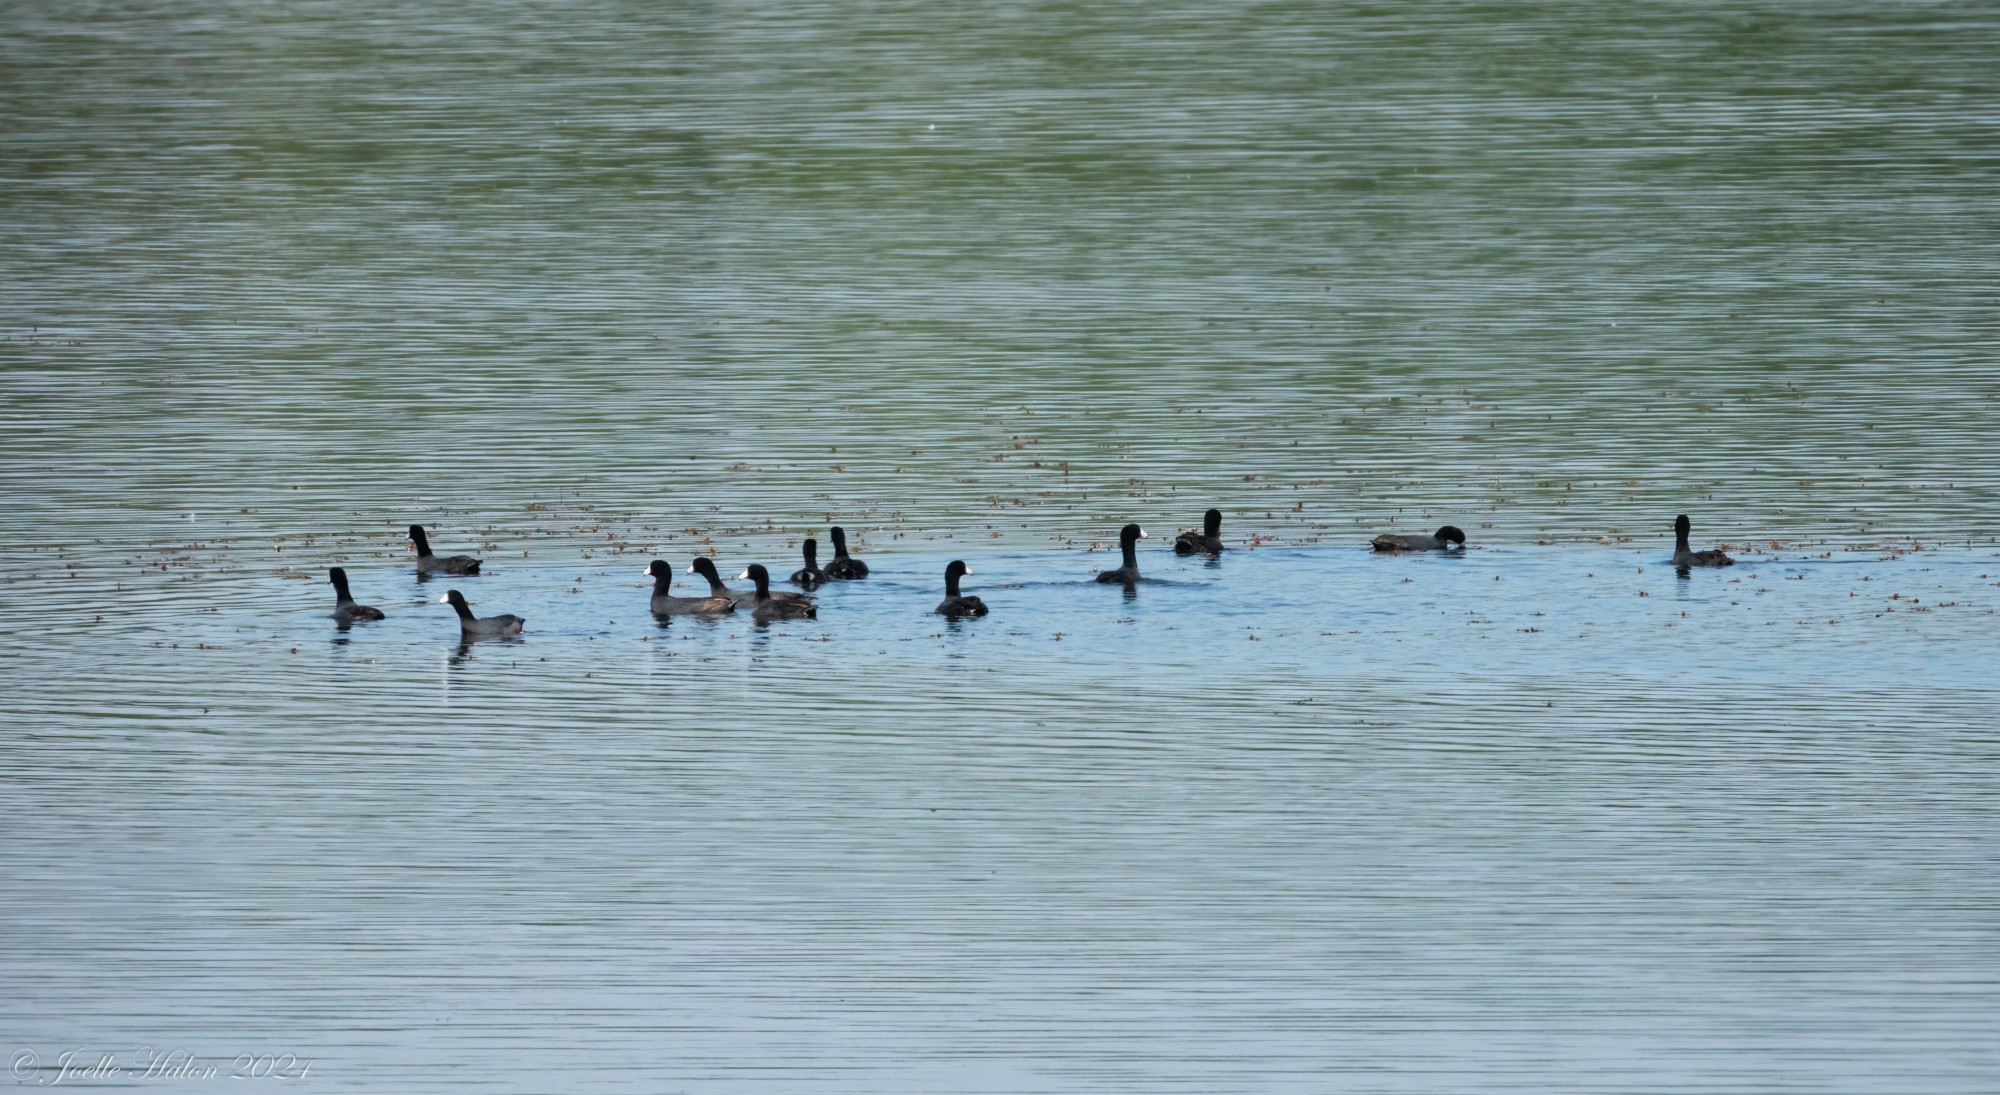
x=579, y=288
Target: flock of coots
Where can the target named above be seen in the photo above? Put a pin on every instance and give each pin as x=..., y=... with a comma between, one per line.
x=765, y=604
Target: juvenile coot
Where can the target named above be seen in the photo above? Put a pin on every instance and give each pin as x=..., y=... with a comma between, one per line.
x=472, y=627
x=955, y=604
x=432, y=564
x=666, y=604
x=744, y=598
x=810, y=576
x=842, y=565
x=1683, y=557
x=765, y=605
x=345, y=611
x=1206, y=542
x=1128, y=542
x=1442, y=539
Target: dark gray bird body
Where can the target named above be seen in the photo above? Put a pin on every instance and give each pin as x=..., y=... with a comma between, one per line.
x=1440, y=540
x=1683, y=557
x=765, y=605
x=436, y=564
x=345, y=611
x=843, y=567
x=1128, y=544
x=956, y=603
x=666, y=604
x=810, y=576
x=744, y=598
x=1206, y=542
x=472, y=627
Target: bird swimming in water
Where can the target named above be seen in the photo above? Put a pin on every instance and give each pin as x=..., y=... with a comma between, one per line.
x=1683, y=557
x=843, y=566
x=433, y=564
x=472, y=627
x=745, y=598
x=345, y=611
x=955, y=603
x=1442, y=539
x=666, y=604
x=1128, y=544
x=1206, y=542
x=766, y=606
x=810, y=576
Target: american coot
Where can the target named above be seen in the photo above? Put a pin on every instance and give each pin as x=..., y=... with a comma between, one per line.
x=744, y=598
x=666, y=604
x=1206, y=542
x=345, y=611
x=1442, y=539
x=843, y=566
x=1713, y=557
x=432, y=564
x=472, y=627
x=767, y=606
x=1128, y=542
x=810, y=576
x=955, y=604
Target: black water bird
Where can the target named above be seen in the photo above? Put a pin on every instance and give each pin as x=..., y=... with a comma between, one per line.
x=1440, y=540
x=1206, y=542
x=433, y=564
x=1683, y=557
x=345, y=611
x=666, y=604
x=1128, y=541
x=843, y=566
x=472, y=627
x=744, y=598
x=810, y=576
x=954, y=603
x=766, y=606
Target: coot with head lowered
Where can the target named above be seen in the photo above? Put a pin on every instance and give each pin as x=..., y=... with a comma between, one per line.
x=1441, y=540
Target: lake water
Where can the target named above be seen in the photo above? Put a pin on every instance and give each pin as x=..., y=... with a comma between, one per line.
x=579, y=287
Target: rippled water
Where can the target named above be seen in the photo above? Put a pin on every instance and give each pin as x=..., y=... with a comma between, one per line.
x=578, y=288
